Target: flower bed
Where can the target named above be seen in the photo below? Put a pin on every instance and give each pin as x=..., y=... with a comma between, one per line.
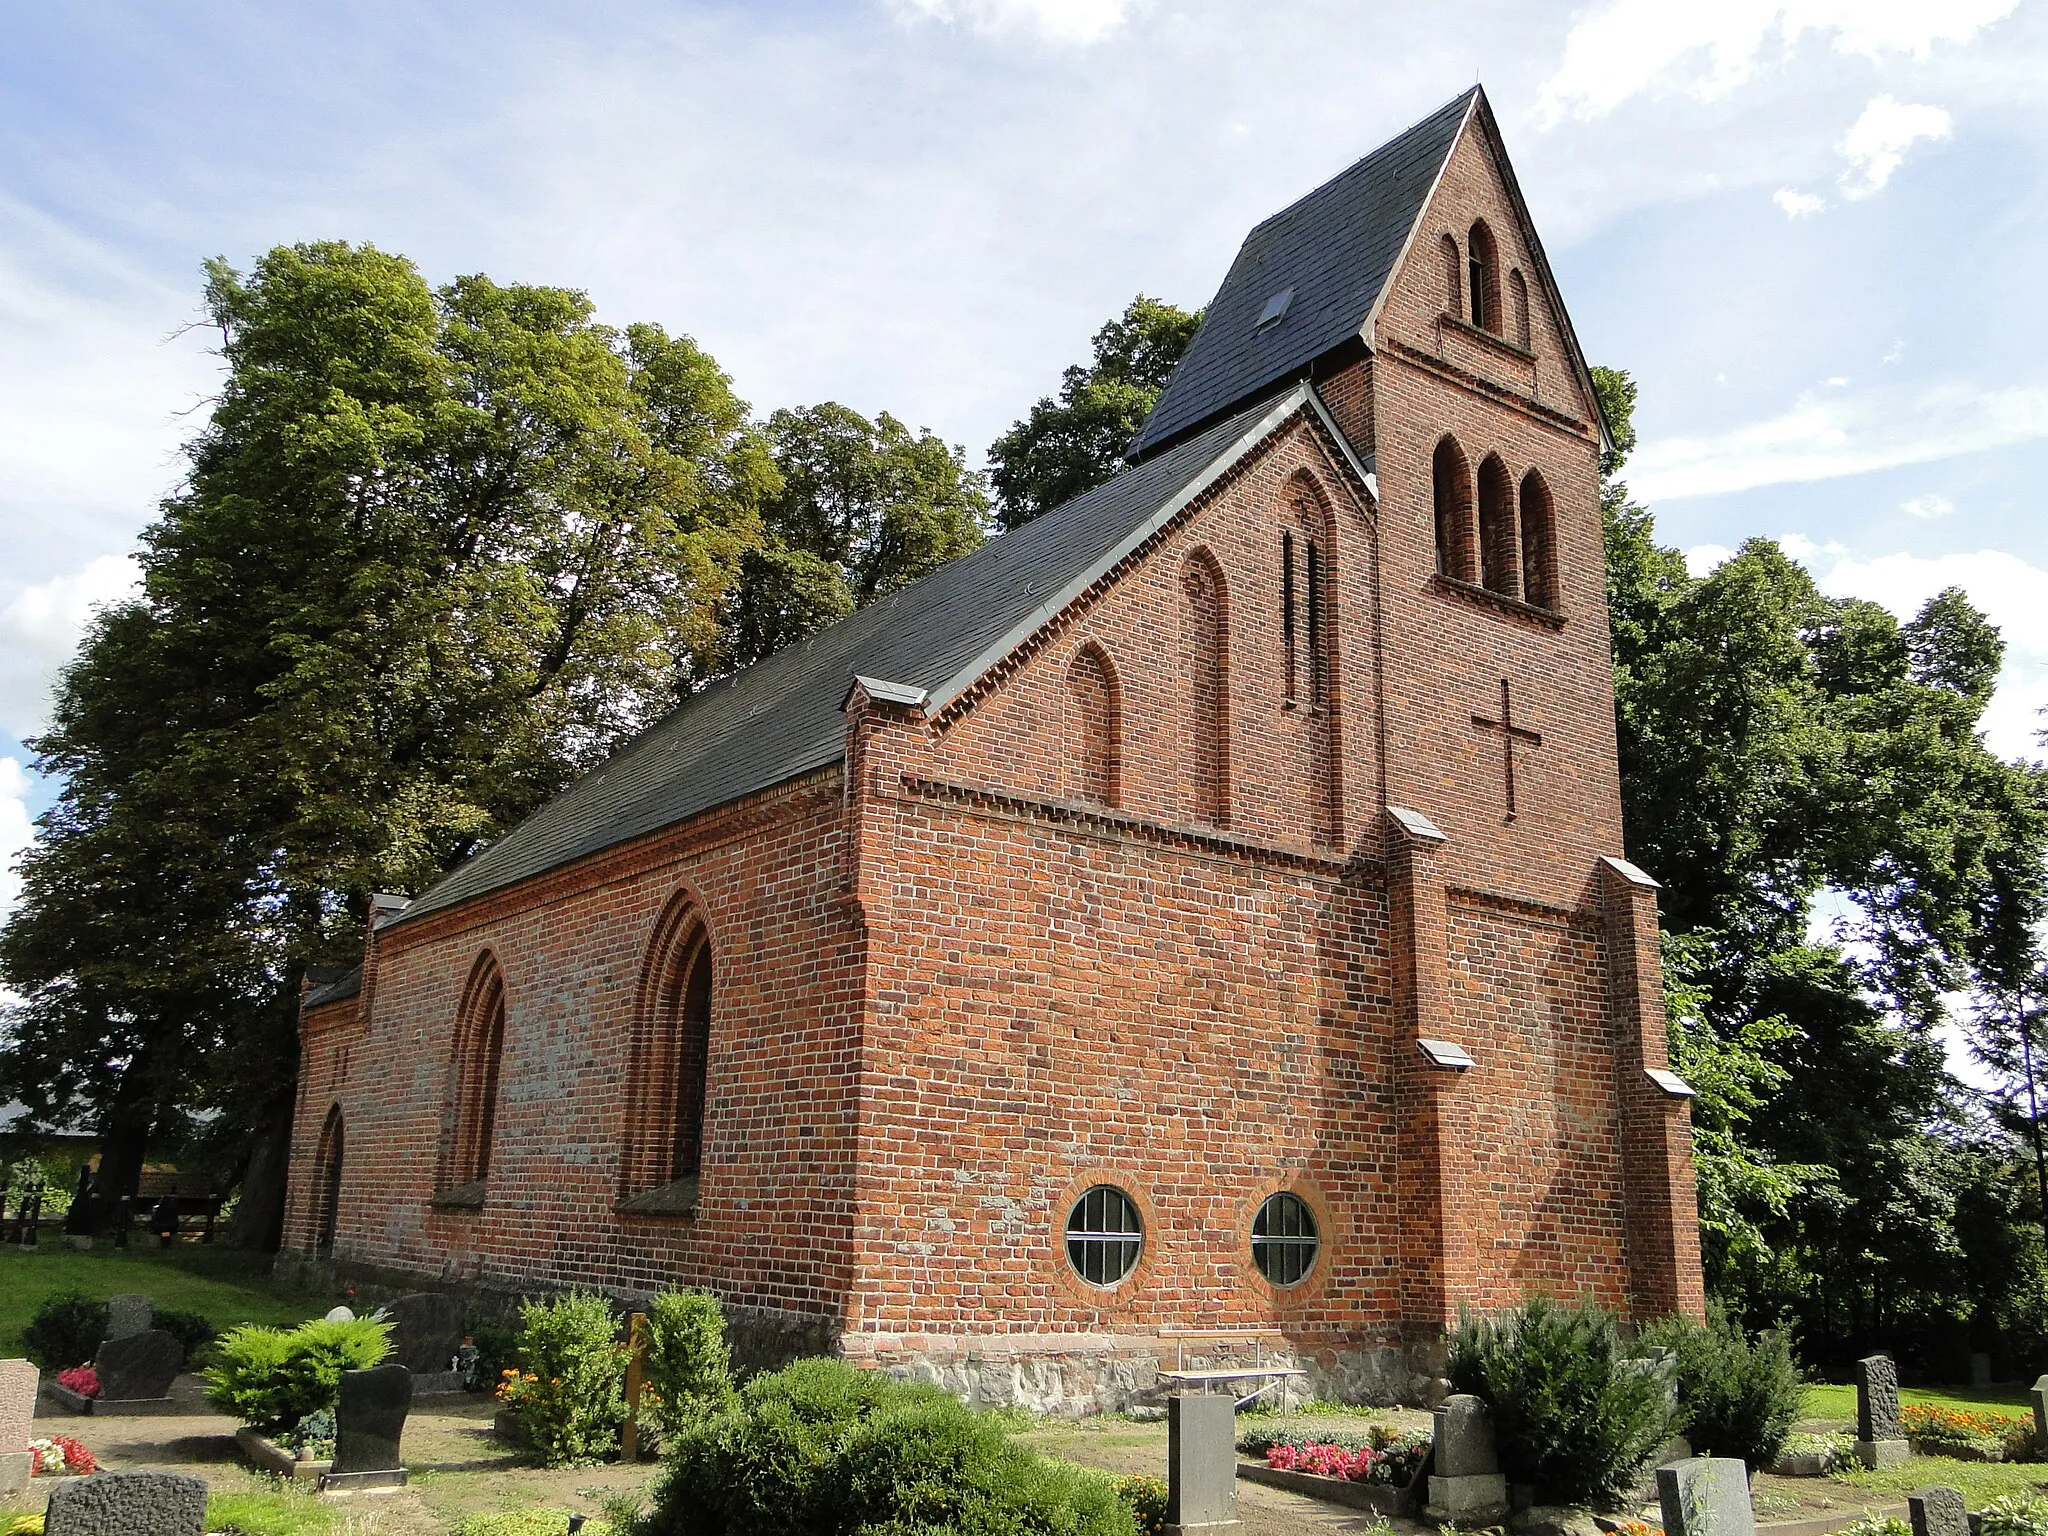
x=82, y=1379
x=61, y=1456
x=1380, y=1470
x=1938, y=1430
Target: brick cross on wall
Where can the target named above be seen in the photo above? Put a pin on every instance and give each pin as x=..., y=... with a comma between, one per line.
x=1510, y=733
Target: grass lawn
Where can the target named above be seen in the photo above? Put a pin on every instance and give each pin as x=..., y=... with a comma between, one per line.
x=1839, y=1402
x=228, y=1287
x=1980, y=1481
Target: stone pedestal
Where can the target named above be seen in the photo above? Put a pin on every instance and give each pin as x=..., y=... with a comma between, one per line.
x=1201, y=1465
x=1884, y=1453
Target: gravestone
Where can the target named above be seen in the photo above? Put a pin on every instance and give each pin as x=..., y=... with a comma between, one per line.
x=2040, y=1396
x=1880, y=1436
x=369, y=1418
x=1467, y=1483
x=18, y=1383
x=1201, y=1463
x=129, y=1315
x=139, y=1368
x=426, y=1331
x=1706, y=1496
x=127, y=1504
x=339, y=1315
x=1980, y=1369
x=1938, y=1512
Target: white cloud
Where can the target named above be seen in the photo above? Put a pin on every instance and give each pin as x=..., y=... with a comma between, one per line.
x=1701, y=559
x=1060, y=21
x=1797, y=204
x=2012, y=592
x=1823, y=438
x=40, y=627
x=1929, y=506
x=1627, y=47
x=1876, y=142
x=15, y=831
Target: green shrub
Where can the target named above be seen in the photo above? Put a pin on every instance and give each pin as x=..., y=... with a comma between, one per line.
x=64, y=1332
x=688, y=1369
x=190, y=1329
x=1737, y=1395
x=821, y=1447
x=570, y=1397
x=497, y=1351
x=1573, y=1416
x=1876, y=1525
x=273, y=1377
x=2017, y=1514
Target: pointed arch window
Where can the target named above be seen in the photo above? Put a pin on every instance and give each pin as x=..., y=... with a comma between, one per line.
x=1539, y=543
x=1205, y=665
x=670, y=1068
x=1094, y=728
x=1287, y=610
x=1451, y=489
x=1483, y=277
x=1518, y=308
x=1499, y=542
x=1454, y=282
x=475, y=1073
x=327, y=1181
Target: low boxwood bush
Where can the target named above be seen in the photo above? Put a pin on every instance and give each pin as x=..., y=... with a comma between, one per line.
x=65, y=1331
x=1574, y=1416
x=190, y=1329
x=1738, y=1394
x=824, y=1448
x=568, y=1391
x=689, y=1368
x=270, y=1378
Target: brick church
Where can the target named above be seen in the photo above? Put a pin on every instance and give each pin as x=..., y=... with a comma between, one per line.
x=1204, y=908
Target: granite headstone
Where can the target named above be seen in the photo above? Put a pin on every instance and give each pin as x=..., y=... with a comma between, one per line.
x=1980, y=1369
x=1880, y=1434
x=129, y=1315
x=426, y=1331
x=1706, y=1496
x=2040, y=1396
x=1938, y=1512
x=18, y=1383
x=127, y=1504
x=369, y=1419
x=138, y=1368
x=1201, y=1463
x=1466, y=1483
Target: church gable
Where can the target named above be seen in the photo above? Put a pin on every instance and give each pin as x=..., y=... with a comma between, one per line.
x=1213, y=681
x=1474, y=289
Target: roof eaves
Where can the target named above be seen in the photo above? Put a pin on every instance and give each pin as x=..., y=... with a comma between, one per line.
x=1358, y=467
x=1369, y=330
x=1193, y=488
x=885, y=692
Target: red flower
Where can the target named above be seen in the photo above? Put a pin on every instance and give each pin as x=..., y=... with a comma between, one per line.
x=82, y=1379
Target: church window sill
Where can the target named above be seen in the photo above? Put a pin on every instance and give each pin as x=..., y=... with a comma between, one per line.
x=1492, y=339
x=1499, y=602
x=678, y=1198
x=461, y=1197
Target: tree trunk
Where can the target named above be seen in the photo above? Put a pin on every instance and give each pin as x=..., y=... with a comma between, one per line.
x=259, y=1215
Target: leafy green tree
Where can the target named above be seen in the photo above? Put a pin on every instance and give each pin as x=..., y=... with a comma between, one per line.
x=865, y=507
x=1074, y=442
x=438, y=550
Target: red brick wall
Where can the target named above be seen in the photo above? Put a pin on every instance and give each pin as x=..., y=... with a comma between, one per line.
x=775, y=1198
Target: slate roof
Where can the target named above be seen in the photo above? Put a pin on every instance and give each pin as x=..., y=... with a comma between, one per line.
x=781, y=717
x=331, y=984
x=1335, y=249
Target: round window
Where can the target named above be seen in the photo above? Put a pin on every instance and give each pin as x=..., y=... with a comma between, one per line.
x=1284, y=1240
x=1104, y=1235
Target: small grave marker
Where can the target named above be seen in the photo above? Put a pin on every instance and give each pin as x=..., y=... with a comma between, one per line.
x=1980, y=1369
x=1467, y=1484
x=369, y=1420
x=18, y=1383
x=1201, y=1463
x=1880, y=1435
x=128, y=1316
x=2040, y=1396
x=127, y=1504
x=1938, y=1512
x=426, y=1332
x=1706, y=1496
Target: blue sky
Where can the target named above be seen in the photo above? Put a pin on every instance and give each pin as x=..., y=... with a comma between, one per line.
x=1813, y=230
